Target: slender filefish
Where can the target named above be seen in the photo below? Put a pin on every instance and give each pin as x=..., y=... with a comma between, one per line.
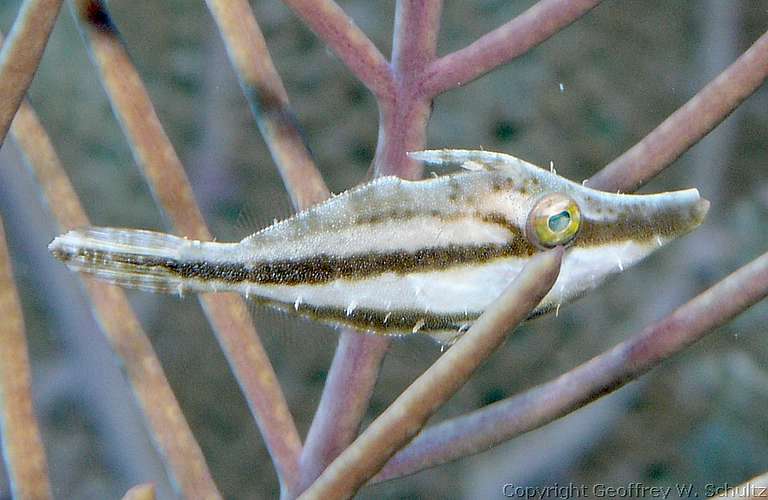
x=398, y=257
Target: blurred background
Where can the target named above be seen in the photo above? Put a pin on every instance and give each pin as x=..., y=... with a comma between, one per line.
x=579, y=100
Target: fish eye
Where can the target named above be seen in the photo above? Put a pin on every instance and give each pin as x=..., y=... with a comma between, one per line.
x=554, y=220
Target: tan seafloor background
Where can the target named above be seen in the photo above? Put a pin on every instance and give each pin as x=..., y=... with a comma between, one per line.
x=699, y=419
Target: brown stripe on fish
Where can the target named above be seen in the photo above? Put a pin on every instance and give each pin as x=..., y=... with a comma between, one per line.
x=393, y=322
x=316, y=269
x=396, y=321
x=633, y=226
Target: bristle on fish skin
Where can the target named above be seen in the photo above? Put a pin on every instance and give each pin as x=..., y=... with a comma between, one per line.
x=397, y=257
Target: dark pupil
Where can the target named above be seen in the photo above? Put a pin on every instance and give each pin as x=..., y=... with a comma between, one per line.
x=559, y=222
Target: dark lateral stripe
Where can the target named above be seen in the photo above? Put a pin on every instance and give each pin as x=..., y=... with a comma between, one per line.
x=633, y=227
x=323, y=268
x=397, y=321
x=318, y=269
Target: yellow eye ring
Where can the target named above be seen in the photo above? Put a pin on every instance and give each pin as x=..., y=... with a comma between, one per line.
x=554, y=220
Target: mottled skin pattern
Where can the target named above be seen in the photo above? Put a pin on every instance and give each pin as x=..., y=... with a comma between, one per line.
x=395, y=257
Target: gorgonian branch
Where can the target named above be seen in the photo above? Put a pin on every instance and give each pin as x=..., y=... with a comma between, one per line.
x=22, y=443
x=603, y=374
x=21, y=54
x=344, y=402
x=268, y=99
x=181, y=455
x=337, y=30
x=511, y=40
x=141, y=492
x=685, y=127
x=397, y=425
x=414, y=42
x=358, y=358
x=404, y=119
x=165, y=175
x=752, y=489
x=689, y=124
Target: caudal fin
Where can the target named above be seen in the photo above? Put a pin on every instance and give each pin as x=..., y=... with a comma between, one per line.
x=129, y=257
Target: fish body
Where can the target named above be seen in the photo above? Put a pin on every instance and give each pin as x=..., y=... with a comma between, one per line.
x=398, y=257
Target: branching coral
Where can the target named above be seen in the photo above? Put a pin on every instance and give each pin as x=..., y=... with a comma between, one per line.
x=334, y=461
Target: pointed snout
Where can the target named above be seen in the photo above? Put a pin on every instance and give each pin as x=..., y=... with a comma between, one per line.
x=652, y=218
x=677, y=213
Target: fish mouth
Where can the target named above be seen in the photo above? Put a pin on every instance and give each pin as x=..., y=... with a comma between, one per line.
x=688, y=207
x=648, y=218
x=700, y=210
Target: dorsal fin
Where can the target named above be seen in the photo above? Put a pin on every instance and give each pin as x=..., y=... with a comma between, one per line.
x=323, y=206
x=474, y=160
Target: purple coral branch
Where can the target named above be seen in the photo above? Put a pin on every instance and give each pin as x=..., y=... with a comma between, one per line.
x=22, y=442
x=511, y=40
x=21, y=54
x=354, y=48
x=173, y=439
x=397, y=425
x=358, y=358
x=753, y=488
x=689, y=124
x=403, y=120
x=346, y=395
x=684, y=128
x=165, y=175
x=601, y=375
x=265, y=92
x=141, y=492
x=415, y=37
